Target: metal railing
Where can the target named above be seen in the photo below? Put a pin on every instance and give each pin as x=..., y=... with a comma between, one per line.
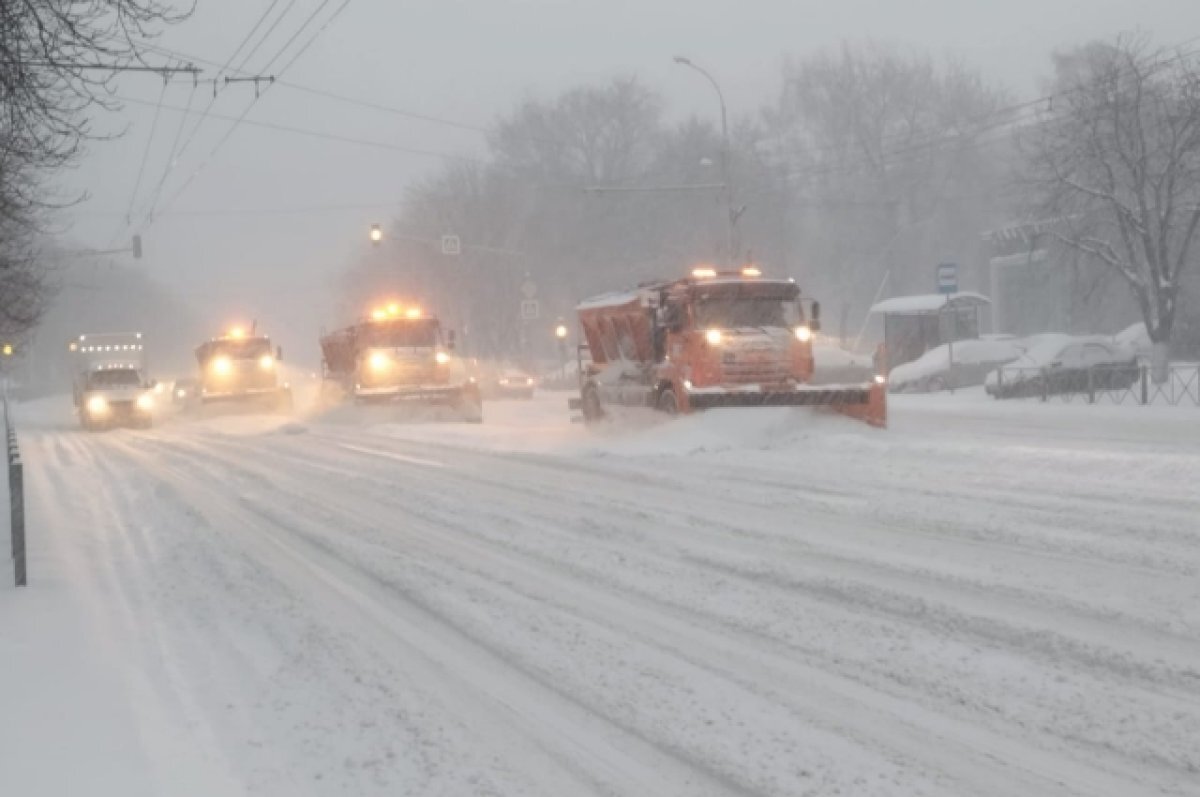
x=1115, y=384
x=16, y=498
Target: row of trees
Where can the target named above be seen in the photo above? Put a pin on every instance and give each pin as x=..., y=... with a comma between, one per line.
x=1113, y=171
x=594, y=189
x=57, y=62
x=872, y=165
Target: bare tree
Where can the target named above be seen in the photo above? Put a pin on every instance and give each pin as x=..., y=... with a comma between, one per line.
x=57, y=62
x=1116, y=160
x=885, y=156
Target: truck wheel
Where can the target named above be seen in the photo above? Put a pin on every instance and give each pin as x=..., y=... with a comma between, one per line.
x=590, y=404
x=667, y=402
x=936, y=384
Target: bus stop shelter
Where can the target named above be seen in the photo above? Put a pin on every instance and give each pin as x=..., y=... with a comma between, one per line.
x=912, y=325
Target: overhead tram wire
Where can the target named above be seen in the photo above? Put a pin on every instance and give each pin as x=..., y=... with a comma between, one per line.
x=176, y=151
x=300, y=30
x=241, y=67
x=982, y=118
x=137, y=183
x=241, y=118
x=225, y=67
x=171, y=156
x=316, y=133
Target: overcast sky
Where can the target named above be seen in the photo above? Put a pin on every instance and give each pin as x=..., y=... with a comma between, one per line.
x=467, y=61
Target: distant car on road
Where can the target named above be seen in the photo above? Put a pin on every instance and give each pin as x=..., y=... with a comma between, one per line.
x=185, y=392
x=508, y=382
x=1065, y=364
x=972, y=360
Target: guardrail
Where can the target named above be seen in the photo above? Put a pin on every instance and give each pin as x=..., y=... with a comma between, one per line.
x=1116, y=384
x=16, y=498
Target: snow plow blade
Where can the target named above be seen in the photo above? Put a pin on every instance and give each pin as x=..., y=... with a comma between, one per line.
x=865, y=402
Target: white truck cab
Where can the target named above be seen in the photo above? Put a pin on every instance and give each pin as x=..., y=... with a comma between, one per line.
x=111, y=388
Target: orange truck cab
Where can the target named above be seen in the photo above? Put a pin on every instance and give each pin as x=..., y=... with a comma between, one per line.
x=712, y=339
x=399, y=356
x=241, y=367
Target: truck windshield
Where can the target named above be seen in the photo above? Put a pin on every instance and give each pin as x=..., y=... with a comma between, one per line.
x=406, y=332
x=735, y=312
x=245, y=349
x=114, y=377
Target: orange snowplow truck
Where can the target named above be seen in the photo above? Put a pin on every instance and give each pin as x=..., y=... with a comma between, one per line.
x=714, y=339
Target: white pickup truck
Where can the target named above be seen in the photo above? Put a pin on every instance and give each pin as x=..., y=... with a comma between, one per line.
x=111, y=388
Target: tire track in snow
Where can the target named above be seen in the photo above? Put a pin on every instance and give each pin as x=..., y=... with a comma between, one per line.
x=424, y=483
x=607, y=756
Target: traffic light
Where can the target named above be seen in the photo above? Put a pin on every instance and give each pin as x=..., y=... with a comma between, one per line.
x=7, y=350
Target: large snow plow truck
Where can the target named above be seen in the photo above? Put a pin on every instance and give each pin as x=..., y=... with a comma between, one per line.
x=712, y=339
x=398, y=356
x=110, y=386
x=240, y=368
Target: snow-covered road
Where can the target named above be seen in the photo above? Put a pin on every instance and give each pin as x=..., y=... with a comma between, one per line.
x=987, y=599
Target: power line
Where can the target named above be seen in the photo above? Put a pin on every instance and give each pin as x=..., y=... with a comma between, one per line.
x=337, y=12
x=254, y=50
x=308, y=21
x=166, y=71
x=237, y=122
x=171, y=157
x=375, y=106
x=313, y=133
x=174, y=155
x=137, y=184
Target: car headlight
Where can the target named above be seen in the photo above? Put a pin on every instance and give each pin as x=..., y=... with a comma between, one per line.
x=266, y=362
x=880, y=379
x=713, y=336
x=222, y=366
x=441, y=358
x=803, y=334
x=145, y=402
x=97, y=405
x=378, y=361
x=529, y=381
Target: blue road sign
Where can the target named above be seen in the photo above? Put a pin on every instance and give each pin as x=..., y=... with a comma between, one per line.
x=947, y=278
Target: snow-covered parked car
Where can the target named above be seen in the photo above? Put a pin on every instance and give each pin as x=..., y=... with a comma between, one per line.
x=1135, y=340
x=972, y=361
x=1065, y=364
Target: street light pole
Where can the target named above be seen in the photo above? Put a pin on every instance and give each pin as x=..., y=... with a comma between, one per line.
x=730, y=212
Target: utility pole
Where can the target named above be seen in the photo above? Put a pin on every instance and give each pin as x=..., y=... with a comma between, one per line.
x=731, y=212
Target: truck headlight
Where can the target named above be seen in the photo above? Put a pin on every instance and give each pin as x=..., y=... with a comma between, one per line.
x=803, y=334
x=222, y=366
x=378, y=361
x=713, y=336
x=97, y=405
x=145, y=402
x=266, y=362
x=441, y=358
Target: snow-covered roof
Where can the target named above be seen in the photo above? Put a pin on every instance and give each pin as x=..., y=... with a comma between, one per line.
x=928, y=303
x=937, y=360
x=613, y=299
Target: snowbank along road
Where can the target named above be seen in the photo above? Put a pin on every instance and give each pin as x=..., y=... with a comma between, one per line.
x=987, y=599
